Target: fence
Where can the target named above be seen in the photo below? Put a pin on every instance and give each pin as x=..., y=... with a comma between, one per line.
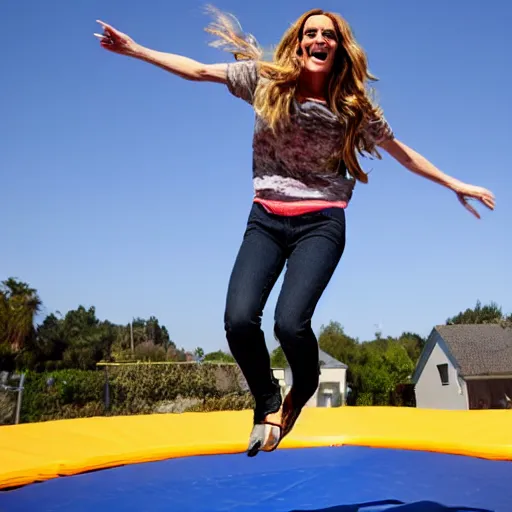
x=11, y=394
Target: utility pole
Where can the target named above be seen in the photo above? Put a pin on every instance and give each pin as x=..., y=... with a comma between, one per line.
x=131, y=336
x=19, y=399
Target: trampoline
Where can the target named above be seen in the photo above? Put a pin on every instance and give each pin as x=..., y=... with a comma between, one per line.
x=349, y=459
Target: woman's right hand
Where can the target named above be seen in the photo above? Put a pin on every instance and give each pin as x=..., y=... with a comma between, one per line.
x=116, y=41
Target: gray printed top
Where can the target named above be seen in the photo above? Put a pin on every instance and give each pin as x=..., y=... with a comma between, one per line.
x=299, y=165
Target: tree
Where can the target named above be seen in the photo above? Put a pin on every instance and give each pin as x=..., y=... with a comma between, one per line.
x=398, y=364
x=88, y=340
x=153, y=339
x=489, y=314
x=51, y=341
x=333, y=340
x=413, y=344
x=219, y=356
x=278, y=359
x=378, y=367
x=19, y=304
x=77, y=340
x=156, y=333
x=149, y=351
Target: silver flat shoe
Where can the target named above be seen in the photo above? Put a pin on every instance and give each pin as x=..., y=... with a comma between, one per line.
x=264, y=437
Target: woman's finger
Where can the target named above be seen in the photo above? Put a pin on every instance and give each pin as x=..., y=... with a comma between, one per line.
x=110, y=31
x=489, y=203
x=485, y=197
x=105, y=25
x=466, y=205
x=472, y=210
x=104, y=40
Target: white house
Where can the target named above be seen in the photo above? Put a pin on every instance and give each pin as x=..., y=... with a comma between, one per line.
x=332, y=389
x=465, y=367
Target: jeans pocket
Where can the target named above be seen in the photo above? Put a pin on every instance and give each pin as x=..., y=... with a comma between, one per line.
x=259, y=218
x=254, y=212
x=335, y=213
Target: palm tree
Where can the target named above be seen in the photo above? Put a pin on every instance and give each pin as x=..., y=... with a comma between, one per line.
x=19, y=304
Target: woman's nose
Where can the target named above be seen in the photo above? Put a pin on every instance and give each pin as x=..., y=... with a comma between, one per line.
x=320, y=39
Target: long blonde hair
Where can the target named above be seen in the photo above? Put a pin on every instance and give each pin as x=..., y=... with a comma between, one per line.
x=348, y=95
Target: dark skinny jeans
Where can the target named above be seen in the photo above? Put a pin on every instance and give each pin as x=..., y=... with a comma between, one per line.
x=311, y=245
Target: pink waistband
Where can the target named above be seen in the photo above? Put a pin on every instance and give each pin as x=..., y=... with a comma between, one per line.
x=297, y=207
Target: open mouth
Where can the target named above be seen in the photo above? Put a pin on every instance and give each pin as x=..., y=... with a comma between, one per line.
x=319, y=55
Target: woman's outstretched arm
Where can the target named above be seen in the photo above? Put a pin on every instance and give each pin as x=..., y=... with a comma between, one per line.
x=418, y=164
x=189, y=69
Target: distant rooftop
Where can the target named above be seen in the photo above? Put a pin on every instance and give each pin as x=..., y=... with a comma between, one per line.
x=480, y=349
x=327, y=361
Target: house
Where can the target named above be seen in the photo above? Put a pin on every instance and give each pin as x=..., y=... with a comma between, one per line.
x=332, y=388
x=465, y=367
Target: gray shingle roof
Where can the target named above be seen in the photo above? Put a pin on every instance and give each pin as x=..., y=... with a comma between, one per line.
x=327, y=361
x=479, y=349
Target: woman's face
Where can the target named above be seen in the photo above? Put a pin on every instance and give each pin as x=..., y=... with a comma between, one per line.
x=319, y=44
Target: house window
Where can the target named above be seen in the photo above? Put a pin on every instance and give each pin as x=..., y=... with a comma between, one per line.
x=443, y=373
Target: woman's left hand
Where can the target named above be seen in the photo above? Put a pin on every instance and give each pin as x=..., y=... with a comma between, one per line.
x=418, y=164
x=465, y=192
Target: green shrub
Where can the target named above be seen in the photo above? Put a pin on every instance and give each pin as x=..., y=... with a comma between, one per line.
x=137, y=387
x=71, y=411
x=133, y=389
x=231, y=402
x=365, y=399
x=47, y=395
x=7, y=407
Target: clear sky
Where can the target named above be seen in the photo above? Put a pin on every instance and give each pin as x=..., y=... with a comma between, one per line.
x=127, y=188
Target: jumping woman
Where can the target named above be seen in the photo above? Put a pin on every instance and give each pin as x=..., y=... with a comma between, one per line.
x=313, y=114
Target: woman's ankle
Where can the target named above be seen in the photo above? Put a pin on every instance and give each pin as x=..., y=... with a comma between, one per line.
x=267, y=404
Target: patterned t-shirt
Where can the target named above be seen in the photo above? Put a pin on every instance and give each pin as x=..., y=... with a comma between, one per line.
x=299, y=165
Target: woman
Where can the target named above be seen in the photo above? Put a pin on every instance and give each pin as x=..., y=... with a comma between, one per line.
x=313, y=114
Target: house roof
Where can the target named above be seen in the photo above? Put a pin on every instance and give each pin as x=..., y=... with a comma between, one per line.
x=474, y=349
x=327, y=361
x=479, y=349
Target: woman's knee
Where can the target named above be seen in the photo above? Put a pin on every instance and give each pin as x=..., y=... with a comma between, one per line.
x=240, y=320
x=288, y=328
x=301, y=349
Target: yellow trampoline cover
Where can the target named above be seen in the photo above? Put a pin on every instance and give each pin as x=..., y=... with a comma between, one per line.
x=40, y=451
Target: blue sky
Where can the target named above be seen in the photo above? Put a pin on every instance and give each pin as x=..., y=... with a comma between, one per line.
x=127, y=188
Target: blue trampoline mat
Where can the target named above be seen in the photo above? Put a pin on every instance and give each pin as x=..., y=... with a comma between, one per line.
x=345, y=479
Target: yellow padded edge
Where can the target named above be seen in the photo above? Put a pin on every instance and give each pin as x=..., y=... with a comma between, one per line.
x=40, y=451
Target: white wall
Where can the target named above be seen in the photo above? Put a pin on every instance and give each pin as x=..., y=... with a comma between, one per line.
x=279, y=375
x=431, y=393
x=331, y=389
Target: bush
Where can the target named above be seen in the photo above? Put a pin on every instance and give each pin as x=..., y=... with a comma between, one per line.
x=137, y=387
x=133, y=389
x=53, y=395
x=7, y=407
x=403, y=396
x=71, y=411
x=365, y=399
x=231, y=402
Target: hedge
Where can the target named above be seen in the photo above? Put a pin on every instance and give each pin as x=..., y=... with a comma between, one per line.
x=133, y=389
